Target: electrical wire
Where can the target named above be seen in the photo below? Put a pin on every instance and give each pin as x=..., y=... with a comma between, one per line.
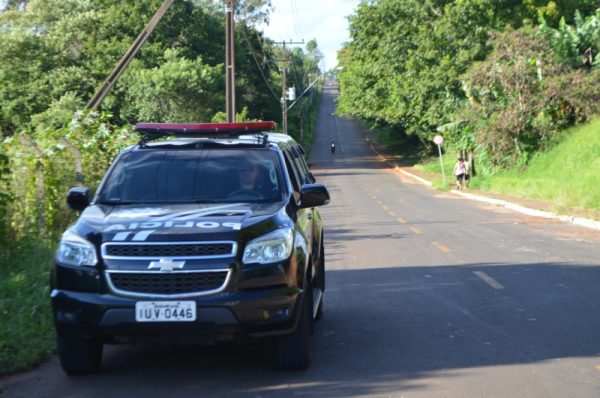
x=295, y=74
x=295, y=17
x=262, y=49
x=258, y=64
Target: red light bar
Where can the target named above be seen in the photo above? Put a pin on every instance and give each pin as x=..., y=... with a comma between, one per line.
x=204, y=127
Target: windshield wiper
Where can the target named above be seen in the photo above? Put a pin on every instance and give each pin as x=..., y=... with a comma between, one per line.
x=118, y=202
x=204, y=201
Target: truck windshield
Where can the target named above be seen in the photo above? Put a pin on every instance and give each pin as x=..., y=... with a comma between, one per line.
x=194, y=176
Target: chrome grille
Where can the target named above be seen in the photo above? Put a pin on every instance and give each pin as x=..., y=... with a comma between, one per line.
x=168, y=250
x=167, y=284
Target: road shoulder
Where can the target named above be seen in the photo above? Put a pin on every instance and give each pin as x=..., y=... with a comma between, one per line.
x=536, y=208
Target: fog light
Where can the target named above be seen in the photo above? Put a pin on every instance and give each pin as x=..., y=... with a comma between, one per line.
x=275, y=313
x=65, y=316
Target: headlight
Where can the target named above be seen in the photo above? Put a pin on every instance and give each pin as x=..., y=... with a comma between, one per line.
x=270, y=248
x=74, y=250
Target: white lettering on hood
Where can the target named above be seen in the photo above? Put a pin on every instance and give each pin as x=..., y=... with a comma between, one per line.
x=173, y=224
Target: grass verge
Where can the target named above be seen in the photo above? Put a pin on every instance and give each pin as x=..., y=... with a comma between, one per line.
x=26, y=327
x=565, y=175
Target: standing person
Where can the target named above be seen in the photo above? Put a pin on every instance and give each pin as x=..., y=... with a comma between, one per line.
x=467, y=176
x=459, y=172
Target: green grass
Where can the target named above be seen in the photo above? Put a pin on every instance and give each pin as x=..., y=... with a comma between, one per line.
x=26, y=328
x=433, y=165
x=568, y=174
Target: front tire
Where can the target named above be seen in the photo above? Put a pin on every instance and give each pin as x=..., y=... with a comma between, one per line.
x=320, y=283
x=78, y=356
x=292, y=351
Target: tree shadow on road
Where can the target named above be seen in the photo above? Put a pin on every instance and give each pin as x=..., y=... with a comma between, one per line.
x=385, y=331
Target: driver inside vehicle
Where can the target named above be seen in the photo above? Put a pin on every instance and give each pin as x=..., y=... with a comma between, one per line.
x=248, y=176
x=249, y=182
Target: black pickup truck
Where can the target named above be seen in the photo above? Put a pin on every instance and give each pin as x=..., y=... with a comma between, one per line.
x=199, y=233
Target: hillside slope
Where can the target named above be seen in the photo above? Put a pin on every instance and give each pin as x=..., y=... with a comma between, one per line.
x=568, y=174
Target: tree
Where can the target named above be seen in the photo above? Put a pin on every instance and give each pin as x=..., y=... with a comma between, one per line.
x=522, y=95
x=179, y=90
x=57, y=52
x=578, y=44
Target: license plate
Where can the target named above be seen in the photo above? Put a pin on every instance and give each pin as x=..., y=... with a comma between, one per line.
x=165, y=311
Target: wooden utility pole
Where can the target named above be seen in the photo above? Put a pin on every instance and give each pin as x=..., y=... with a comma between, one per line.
x=285, y=60
x=129, y=55
x=230, y=62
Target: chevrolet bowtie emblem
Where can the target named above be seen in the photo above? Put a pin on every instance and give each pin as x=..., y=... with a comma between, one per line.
x=166, y=265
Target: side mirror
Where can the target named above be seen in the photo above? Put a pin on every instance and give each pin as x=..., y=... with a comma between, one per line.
x=314, y=195
x=78, y=198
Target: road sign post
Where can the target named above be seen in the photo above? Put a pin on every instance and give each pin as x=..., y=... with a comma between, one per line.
x=439, y=140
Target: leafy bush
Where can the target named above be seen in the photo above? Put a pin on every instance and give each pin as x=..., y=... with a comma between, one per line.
x=578, y=44
x=521, y=96
x=43, y=165
x=5, y=192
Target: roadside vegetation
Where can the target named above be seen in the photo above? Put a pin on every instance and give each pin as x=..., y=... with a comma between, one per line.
x=26, y=328
x=566, y=174
x=55, y=54
x=503, y=81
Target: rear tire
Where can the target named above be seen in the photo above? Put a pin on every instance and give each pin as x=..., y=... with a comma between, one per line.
x=292, y=351
x=78, y=356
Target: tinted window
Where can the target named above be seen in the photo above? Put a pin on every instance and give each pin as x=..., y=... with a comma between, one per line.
x=195, y=175
x=294, y=174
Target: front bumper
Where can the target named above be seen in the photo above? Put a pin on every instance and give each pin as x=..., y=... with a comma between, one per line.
x=255, y=313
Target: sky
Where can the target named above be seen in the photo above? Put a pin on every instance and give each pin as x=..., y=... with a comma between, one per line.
x=323, y=20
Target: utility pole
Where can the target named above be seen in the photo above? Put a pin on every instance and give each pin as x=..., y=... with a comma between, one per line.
x=230, y=62
x=128, y=56
x=285, y=60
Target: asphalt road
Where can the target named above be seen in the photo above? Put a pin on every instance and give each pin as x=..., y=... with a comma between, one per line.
x=428, y=295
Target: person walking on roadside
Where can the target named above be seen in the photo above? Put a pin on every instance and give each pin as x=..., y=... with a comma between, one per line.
x=467, y=177
x=459, y=172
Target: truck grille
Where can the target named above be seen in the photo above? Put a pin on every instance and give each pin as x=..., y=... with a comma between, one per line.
x=164, y=250
x=167, y=284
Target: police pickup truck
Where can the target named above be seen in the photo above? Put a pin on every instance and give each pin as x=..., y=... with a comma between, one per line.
x=199, y=233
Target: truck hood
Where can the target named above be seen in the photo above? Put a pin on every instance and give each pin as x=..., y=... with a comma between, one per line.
x=172, y=222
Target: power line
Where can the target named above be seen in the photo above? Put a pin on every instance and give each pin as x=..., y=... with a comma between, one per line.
x=295, y=17
x=295, y=74
x=258, y=64
x=262, y=49
x=284, y=96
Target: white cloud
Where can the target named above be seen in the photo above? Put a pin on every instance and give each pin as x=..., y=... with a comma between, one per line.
x=323, y=20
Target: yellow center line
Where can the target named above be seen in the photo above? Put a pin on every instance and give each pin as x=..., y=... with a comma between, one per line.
x=416, y=230
x=598, y=367
x=441, y=247
x=489, y=280
x=386, y=208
